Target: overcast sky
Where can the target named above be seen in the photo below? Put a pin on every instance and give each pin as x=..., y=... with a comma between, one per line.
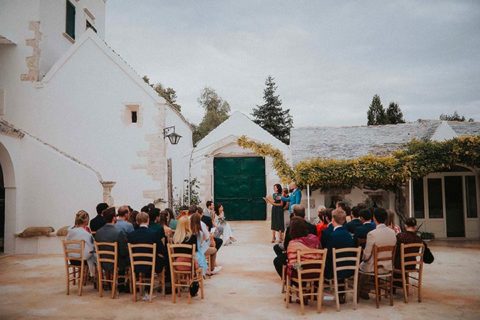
x=328, y=57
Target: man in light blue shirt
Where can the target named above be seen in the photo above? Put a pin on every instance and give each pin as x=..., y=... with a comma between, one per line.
x=122, y=223
x=295, y=196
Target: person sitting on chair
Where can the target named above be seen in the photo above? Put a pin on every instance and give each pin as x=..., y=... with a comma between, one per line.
x=146, y=235
x=367, y=226
x=381, y=236
x=122, y=223
x=355, y=222
x=98, y=222
x=338, y=239
x=109, y=233
x=78, y=232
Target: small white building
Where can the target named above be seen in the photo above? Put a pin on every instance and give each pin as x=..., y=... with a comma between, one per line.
x=78, y=125
x=445, y=203
x=233, y=176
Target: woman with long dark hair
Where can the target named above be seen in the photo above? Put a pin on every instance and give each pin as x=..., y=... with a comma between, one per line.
x=278, y=221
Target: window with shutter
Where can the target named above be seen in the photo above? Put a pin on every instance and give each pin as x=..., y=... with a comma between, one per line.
x=70, y=20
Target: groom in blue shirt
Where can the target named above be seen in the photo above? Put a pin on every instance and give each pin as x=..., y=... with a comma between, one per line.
x=295, y=196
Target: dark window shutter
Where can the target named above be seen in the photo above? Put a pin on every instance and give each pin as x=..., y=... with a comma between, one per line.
x=70, y=20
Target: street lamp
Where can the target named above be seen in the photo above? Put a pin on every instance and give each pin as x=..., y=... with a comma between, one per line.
x=171, y=134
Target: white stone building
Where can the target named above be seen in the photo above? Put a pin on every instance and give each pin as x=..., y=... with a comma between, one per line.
x=445, y=203
x=233, y=176
x=78, y=126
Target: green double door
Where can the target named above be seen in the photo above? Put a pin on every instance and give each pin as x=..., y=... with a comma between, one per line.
x=239, y=185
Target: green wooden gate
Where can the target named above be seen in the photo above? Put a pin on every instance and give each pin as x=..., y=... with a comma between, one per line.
x=239, y=184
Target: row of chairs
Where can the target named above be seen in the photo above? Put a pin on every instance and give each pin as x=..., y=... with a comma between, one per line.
x=183, y=270
x=307, y=280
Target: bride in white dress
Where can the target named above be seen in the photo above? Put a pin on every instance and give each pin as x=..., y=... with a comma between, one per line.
x=223, y=228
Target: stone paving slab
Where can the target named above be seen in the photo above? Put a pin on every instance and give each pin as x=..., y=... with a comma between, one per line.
x=33, y=287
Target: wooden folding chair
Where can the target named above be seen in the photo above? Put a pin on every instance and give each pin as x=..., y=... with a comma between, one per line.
x=183, y=270
x=306, y=281
x=284, y=278
x=75, y=266
x=143, y=257
x=382, y=280
x=411, y=262
x=346, y=259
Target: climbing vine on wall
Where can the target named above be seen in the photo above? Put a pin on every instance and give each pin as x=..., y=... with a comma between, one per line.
x=415, y=159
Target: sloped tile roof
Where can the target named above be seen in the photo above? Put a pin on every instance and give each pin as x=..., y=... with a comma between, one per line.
x=353, y=142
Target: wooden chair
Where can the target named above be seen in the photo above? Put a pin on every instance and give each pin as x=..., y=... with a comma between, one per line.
x=384, y=280
x=346, y=259
x=143, y=257
x=307, y=279
x=411, y=261
x=183, y=270
x=107, y=253
x=75, y=265
x=284, y=278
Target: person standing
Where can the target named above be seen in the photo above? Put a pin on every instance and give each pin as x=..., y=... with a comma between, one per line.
x=294, y=198
x=277, y=220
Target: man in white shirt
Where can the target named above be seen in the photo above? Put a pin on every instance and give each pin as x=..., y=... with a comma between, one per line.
x=381, y=236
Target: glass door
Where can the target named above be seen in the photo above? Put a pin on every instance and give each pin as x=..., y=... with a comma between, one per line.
x=454, y=206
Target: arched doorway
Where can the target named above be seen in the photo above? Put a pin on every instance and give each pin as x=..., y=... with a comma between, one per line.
x=7, y=202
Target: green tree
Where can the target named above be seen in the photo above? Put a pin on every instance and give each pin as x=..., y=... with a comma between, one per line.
x=376, y=113
x=394, y=114
x=271, y=116
x=216, y=111
x=454, y=117
x=169, y=94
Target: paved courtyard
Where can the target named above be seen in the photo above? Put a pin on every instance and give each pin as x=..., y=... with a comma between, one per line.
x=32, y=287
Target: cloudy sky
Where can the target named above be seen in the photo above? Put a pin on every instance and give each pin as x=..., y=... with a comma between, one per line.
x=328, y=57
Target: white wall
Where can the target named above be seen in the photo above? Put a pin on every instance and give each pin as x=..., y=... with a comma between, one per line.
x=49, y=189
x=180, y=153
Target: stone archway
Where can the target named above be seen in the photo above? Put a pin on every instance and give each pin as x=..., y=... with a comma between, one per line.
x=9, y=187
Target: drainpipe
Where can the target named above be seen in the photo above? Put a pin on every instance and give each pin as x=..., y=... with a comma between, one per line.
x=410, y=198
x=308, y=202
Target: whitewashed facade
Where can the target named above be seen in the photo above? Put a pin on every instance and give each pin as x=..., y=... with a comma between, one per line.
x=222, y=142
x=69, y=138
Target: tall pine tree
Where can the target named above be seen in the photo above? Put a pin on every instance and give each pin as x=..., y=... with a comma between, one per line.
x=271, y=116
x=394, y=114
x=376, y=113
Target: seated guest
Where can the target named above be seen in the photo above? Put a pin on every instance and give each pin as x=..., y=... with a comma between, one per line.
x=318, y=221
x=205, y=245
x=154, y=218
x=325, y=217
x=381, y=236
x=408, y=236
x=280, y=249
x=78, y=232
x=327, y=228
x=110, y=233
x=144, y=234
x=172, y=222
x=367, y=226
x=355, y=222
x=391, y=222
x=205, y=219
x=345, y=208
x=338, y=239
x=122, y=220
x=147, y=235
x=98, y=221
x=163, y=221
x=195, y=209
x=301, y=239
x=132, y=218
x=183, y=233
x=224, y=231
x=210, y=209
